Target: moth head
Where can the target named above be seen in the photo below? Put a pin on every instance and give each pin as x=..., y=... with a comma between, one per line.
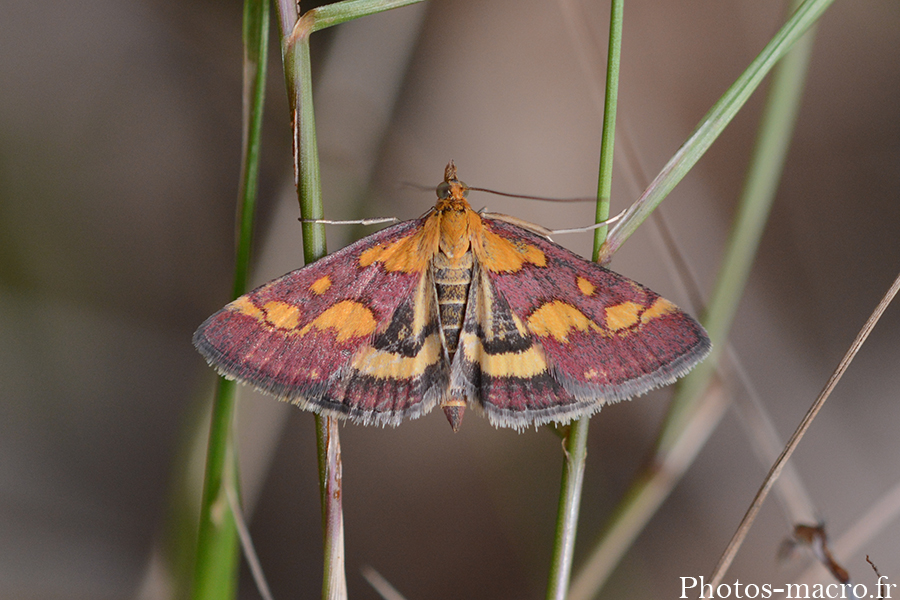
x=451, y=186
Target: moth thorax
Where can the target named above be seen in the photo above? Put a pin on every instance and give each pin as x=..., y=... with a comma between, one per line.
x=455, y=228
x=452, y=277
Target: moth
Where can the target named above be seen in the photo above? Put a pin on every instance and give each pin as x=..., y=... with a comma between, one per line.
x=453, y=309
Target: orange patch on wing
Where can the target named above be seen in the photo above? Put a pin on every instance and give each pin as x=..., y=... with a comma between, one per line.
x=659, y=308
x=500, y=255
x=387, y=365
x=320, y=285
x=244, y=306
x=557, y=319
x=349, y=319
x=281, y=314
x=622, y=316
x=528, y=363
x=411, y=254
x=587, y=288
x=376, y=253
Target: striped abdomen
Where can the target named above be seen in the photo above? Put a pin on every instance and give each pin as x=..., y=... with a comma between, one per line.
x=452, y=280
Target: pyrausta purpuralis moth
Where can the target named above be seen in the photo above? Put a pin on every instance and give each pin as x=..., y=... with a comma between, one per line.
x=453, y=309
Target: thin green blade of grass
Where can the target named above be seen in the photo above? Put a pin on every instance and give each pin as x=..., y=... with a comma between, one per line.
x=713, y=123
x=575, y=449
x=760, y=186
x=341, y=12
x=653, y=485
x=216, y=560
x=608, y=135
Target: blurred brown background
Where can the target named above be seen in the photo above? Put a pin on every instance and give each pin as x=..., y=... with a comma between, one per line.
x=119, y=161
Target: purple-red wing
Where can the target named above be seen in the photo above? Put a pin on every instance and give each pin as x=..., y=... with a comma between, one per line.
x=313, y=369
x=594, y=367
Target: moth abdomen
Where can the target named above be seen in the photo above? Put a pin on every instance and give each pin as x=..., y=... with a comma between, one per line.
x=452, y=279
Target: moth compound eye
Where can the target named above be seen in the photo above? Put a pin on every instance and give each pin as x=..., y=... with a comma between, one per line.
x=443, y=190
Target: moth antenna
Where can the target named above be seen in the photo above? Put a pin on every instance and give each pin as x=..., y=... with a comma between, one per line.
x=417, y=186
x=427, y=188
x=541, y=230
x=374, y=221
x=538, y=229
x=526, y=197
x=612, y=219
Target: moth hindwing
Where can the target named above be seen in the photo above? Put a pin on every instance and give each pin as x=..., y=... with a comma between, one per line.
x=453, y=309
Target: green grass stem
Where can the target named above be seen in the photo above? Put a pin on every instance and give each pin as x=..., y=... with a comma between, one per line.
x=690, y=415
x=575, y=442
x=608, y=136
x=298, y=82
x=216, y=560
